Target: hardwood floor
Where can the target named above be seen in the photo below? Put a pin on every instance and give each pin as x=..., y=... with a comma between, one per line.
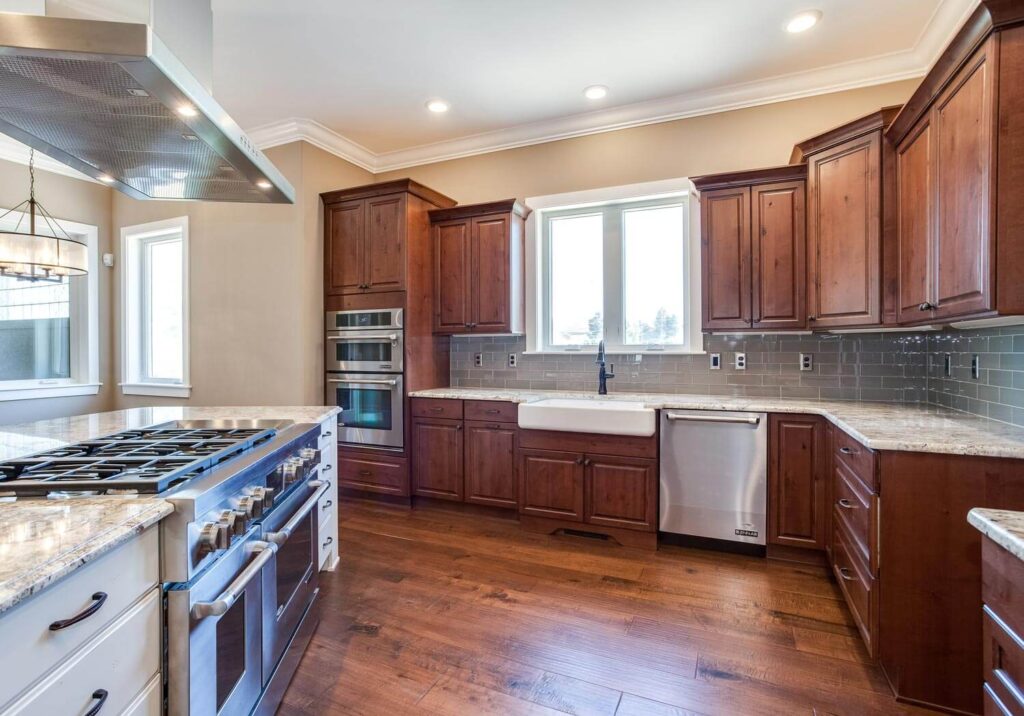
x=434, y=611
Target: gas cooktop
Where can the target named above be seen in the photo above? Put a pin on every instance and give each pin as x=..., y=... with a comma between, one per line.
x=146, y=460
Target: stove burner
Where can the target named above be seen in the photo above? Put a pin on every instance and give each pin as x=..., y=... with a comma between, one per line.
x=149, y=460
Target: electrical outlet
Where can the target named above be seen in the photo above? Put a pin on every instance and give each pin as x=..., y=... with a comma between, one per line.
x=947, y=365
x=478, y=360
x=716, y=361
x=806, y=361
x=513, y=360
x=975, y=366
x=741, y=361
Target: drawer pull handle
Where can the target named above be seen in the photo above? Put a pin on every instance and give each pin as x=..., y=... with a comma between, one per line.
x=327, y=505
x=328, y=542
x=327, y=434
x=365, y=473
x=847, y=450
x=845, y=504
x=845, y=574
x=100, y=697
x=492, y=411
x=327, y=467
x=437, y=410
x=97, y=601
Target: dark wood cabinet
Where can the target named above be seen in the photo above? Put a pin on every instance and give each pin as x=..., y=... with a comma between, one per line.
x=490, y=464
x=479, y=270
x=343, y=253
x=551, y=484
x=753, y=249
x=797, y=478
x=437, y=458
x=620, y=492
x=914, y=225
x=1002, y=587
x=365, y=248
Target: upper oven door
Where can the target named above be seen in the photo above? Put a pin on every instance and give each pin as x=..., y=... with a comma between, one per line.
x=363, y=320
x=371, y=408
x=366, y=351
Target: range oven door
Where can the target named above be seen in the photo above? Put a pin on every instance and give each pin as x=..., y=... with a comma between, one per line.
x=372, y=411
x=290, y=581
x=367, y=351
x=215, y=633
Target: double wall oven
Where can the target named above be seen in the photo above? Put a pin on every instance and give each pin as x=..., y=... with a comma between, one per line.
x=364, y=362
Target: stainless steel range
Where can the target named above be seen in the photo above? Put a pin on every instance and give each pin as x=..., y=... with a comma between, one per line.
x=239, y=555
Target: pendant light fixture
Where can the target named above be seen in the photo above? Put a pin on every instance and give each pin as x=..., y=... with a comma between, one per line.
x=34, y=256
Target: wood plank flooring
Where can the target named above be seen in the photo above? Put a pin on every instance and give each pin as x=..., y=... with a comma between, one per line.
x=433, y=611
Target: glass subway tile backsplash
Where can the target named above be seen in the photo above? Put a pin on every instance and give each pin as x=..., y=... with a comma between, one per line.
x=892, y=367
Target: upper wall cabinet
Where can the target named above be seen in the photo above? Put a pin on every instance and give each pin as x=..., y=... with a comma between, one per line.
x=367, y=232
x=960, y=167
x=478, y=268
x=753, y=249
x=847, y=181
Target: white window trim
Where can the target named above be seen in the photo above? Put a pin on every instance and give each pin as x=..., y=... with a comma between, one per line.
x=681, y=187
x=85, y=364
x=130, y=385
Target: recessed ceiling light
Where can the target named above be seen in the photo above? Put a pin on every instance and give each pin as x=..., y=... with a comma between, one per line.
x=595, y=92
x=437, y=106
x=187, y=110
x=804, y=21
x=264, y=184
x=106, y=178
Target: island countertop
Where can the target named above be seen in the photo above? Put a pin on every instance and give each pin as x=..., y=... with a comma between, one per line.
x=1004, y=527
x=880, y=426
x=43, y=540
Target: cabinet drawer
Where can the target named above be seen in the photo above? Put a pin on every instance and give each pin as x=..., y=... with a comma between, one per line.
x=150, y=702
x=491, y=410
x=1004, y=660
x=121, y=660
x=859, y=459
x=384, y=475
x=856, y=584
x=437, y=408
x=855, y=506
x=124, y=575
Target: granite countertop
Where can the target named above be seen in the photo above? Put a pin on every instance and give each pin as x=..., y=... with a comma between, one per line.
x=880, y=426
x=42, y=541
x=1004, y=527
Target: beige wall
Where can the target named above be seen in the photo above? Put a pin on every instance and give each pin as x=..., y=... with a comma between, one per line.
x=740, y=139
x=87, y=203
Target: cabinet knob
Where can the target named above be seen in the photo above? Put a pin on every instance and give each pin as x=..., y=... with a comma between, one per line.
x=588, y=462
x=579, y=461
x=845, y=574
x=812, y=319
x=844, y=503
x=926, y=306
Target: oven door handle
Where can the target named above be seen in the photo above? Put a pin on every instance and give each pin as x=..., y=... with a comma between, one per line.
x=392, y=338
x=392, y=383
x=282, y=535
x=265, y=552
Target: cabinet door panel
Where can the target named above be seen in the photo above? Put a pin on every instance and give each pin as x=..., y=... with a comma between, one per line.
x=725, y=260
x=779, y=252
x=343, y=253
x=914, y=226
x=797, y=474
x=437, y=458
x=451, y=277
x=385, y=243
x=964, y=240
x=490, y=466
x=489, y=277
x=844, y=233
x=551, y=484
x=621, y=492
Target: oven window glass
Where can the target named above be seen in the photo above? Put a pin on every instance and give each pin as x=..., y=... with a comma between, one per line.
x=369, y=319
x=230, y=650
x=369, y=352
x=294, y=561
x=365, y=408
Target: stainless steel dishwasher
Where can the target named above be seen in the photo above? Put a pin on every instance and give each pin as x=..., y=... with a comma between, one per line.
x=714, y=475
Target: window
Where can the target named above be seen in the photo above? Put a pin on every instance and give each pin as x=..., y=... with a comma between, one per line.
x=155, y=308
x=49, y=345
x=615, y=268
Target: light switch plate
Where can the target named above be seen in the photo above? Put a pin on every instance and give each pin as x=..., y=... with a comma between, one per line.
x=716, y=361
x=741, y=361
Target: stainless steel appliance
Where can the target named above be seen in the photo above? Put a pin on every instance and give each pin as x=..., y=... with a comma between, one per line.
x=372, y=407
x=238, y=555
x=714, y=475
x=364, y=362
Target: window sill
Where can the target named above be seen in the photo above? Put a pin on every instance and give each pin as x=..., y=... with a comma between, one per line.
x=159, y=390
x=36, y=392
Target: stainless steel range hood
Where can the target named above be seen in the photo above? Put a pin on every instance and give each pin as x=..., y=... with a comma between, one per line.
x=110, y=100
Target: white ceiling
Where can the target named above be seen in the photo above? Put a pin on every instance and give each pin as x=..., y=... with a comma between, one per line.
x=354, y=76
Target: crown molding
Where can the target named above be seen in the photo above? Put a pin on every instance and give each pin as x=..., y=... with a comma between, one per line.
x=14, y=151
x=308, y=130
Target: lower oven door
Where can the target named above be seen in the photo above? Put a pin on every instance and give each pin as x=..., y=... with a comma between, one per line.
x=215, y=633
x=371, y=405
x=290, y=581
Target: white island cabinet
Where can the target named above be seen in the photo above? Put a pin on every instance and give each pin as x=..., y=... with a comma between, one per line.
x=329, y=502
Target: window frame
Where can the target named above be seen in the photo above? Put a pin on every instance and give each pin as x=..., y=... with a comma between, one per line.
x=134, y=328
x=611, y=203
x=83, y=321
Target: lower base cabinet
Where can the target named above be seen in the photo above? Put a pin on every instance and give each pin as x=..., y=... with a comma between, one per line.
x=437, y=459
x=551, y=484
x=620, y=492
x=490, y=464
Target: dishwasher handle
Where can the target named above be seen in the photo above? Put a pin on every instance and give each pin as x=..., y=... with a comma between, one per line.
x=744, y=420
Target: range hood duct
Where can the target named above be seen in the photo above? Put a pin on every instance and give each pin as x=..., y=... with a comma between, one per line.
x=112, y=101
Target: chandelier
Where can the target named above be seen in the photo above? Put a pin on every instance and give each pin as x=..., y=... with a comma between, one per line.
x=34, y=256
